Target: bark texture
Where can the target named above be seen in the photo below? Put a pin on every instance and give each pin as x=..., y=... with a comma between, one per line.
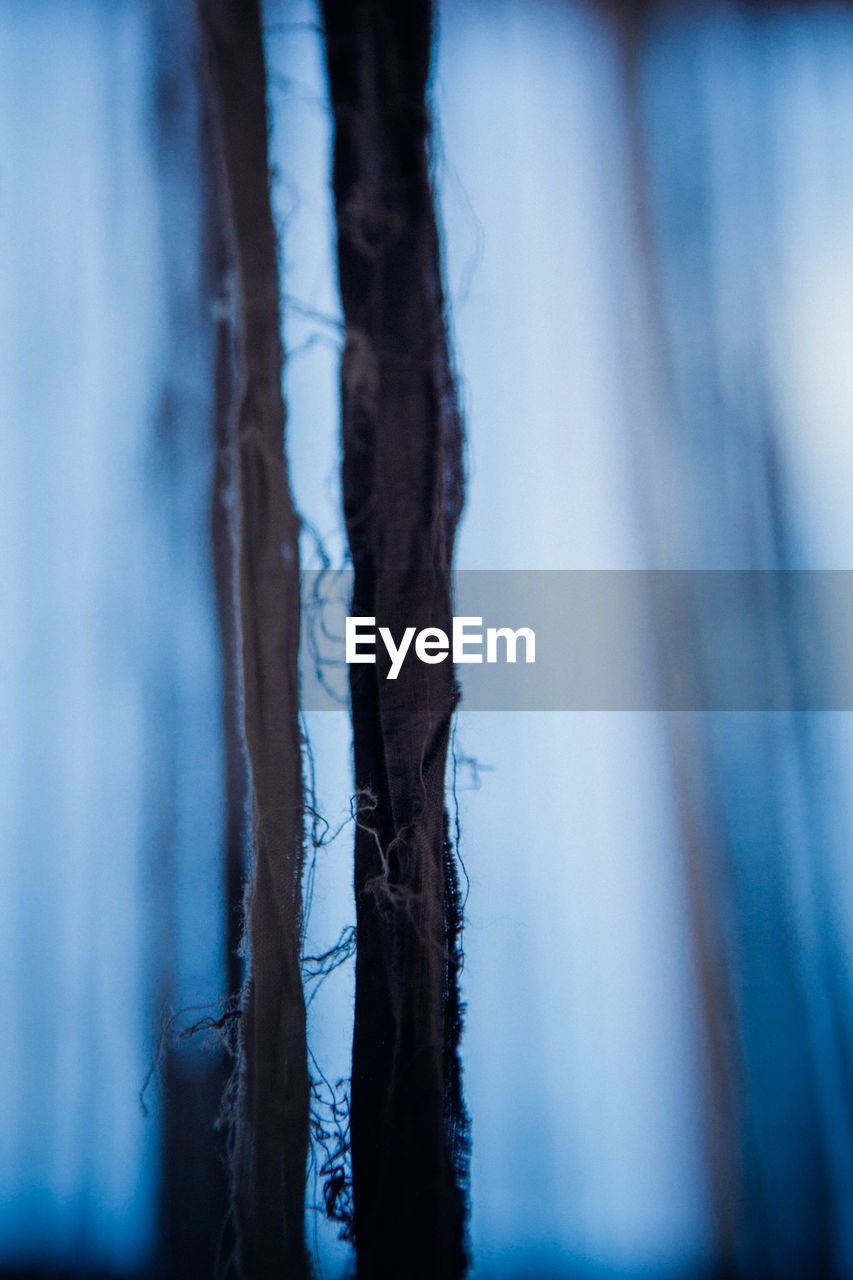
x=271, y=1121
x=402, y=487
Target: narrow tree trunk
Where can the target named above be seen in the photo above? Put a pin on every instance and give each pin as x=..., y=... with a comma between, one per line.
x=402, y=481
x=272, y=1108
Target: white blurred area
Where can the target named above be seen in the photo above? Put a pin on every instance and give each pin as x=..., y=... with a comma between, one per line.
x=581, y=1054
x=110, y=754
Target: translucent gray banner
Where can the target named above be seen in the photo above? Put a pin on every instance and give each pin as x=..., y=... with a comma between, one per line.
x=700, y=640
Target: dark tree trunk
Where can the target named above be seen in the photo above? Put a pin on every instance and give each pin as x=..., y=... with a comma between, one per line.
x=402, y=481
x=271, y=1124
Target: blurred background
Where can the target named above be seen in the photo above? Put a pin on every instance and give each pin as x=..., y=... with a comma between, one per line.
x=648, y=233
